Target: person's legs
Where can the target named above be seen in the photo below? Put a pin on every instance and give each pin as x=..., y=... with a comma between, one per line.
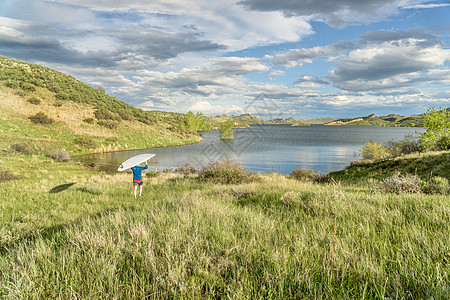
x=135, y=190
x=140, y=189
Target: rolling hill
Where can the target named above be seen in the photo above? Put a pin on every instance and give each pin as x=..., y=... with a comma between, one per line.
x=80, y=118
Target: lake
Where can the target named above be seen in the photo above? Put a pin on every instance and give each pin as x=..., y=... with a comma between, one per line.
x=266, y=148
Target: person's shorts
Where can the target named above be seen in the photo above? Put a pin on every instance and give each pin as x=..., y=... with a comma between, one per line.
x=136, y=183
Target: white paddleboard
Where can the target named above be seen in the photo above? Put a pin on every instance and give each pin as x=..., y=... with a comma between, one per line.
x=134, y=161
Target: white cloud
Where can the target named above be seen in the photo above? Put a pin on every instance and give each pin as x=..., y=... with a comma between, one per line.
x=205, y=107
x=386, y=65
x=338, y=13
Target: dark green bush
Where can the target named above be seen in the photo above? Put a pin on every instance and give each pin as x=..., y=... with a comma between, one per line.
x=108, y=124
x=410, y=144
x=41, y=118
x=151, y=174
x=86, y=141
x=145, y=121
x=126, y=117
x=105, y=114
x=89, y=120
x=226, y=173
x=303, y=174
x=34, y=101
x=444, y=143
x=23, y=148
x=59, y=155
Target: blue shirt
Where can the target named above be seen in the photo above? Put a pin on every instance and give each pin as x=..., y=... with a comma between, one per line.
x=137, y=172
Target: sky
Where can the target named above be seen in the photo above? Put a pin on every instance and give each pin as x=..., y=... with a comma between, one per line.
x=284, y=58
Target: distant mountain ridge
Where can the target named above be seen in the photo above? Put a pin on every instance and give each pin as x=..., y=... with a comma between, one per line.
x=391, y=120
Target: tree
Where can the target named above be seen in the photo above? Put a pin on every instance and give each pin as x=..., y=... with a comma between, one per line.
x=195, y=122
x=438, y=133
x=226, y=130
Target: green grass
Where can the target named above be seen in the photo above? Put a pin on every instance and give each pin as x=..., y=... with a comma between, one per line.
x=426, y=165
x=70, y=233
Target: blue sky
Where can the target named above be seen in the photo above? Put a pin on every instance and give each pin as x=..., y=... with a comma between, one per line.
x=284, y=58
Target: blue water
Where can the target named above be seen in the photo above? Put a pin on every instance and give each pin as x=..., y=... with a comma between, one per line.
x=267, y=148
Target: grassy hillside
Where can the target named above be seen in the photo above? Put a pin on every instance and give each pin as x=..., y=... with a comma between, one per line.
x=79, y=112
x=425, y=165
x=69, y=233
x=389, y=120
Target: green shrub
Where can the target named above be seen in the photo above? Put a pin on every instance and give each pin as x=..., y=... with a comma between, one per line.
x=108, y=124
x=7, y=175
x=226, y=173
x=41, y=118
x=399, y=184
x=27, y=86
x=226, y=130
x=34, y=101
x=145, y=121
x=89, y=120
x=444, y=143
x=409, y=144
x=86, y=141
x=126, y=117
x=303, y=174
x=105, y=114
x=151, y=174
x=186, y=169
x=373, y=150
x=437, y=185
x=23, y=148
x=59, y=155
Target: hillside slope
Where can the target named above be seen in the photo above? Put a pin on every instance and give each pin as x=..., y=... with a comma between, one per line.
x=392, y=120
x=425, y=165
x=85, y=119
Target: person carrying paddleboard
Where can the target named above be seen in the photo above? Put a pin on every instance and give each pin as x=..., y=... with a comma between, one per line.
x=137, y=178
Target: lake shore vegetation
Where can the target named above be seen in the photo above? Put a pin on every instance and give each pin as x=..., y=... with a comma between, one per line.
x=72, y=233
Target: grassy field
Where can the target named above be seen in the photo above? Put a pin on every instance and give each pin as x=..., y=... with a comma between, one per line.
x=66, y=233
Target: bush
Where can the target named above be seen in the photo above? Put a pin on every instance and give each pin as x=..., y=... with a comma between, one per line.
x=7, y=175
x=438, y=129
x=58, y=104
x=126, y=117
x=303, y=174
x=34, y=101
x=22, y=148
x=226, y=173
x=86, y=141
x=400, y=184
x=186, y=169
x=89, y=120
x=437, y=185
x=226, y=130
x=373, y=150
x=409, y=144
x=41, y=118
x=105, y=114
x=108, y=124
x=151, y=174
x=444, y=143
x=59, y=155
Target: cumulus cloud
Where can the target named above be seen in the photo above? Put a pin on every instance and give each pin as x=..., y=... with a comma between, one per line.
x=297, y=57
x=390, y=59
x=337, y=13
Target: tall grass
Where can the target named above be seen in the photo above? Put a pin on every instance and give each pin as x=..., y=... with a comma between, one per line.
x=277, y=238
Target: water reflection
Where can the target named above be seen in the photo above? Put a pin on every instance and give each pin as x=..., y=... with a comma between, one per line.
x=267, y=148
